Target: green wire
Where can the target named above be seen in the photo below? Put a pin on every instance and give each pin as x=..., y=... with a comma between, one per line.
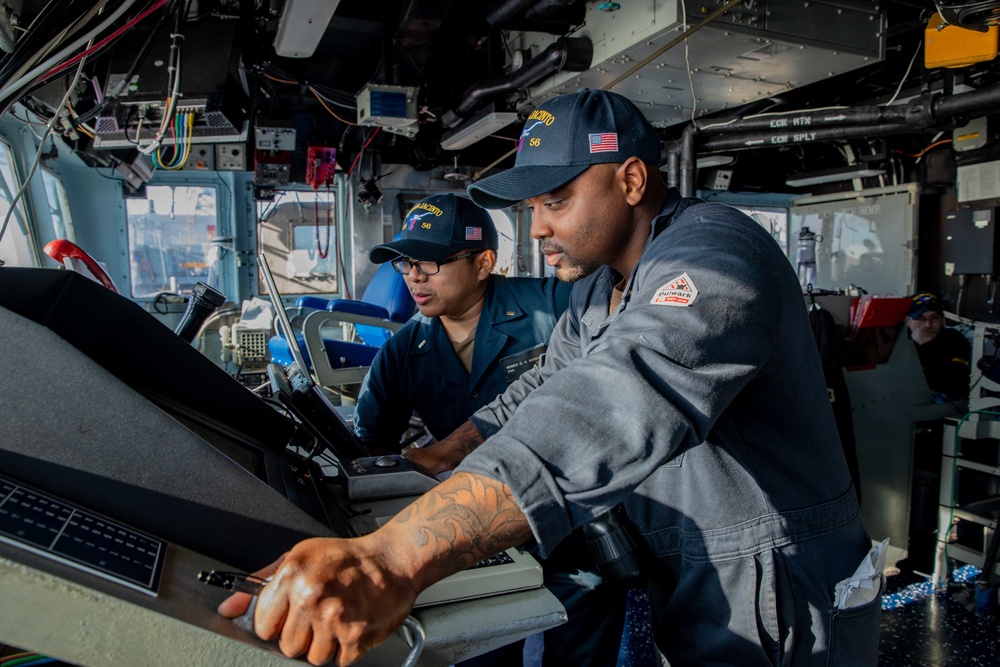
x=21, y=661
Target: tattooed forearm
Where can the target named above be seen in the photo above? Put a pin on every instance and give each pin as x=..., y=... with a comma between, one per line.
x=467, y=435
x=461, y=521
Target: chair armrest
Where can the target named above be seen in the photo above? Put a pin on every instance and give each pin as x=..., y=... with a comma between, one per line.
x=326, y=374
x=357, y=308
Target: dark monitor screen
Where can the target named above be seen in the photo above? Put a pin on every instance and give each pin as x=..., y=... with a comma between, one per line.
x=142, y=352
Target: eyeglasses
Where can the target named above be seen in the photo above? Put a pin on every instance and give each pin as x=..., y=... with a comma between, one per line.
x=932, y=318
x=427, y=267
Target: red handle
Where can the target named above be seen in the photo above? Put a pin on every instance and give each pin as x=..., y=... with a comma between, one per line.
x=61, y=250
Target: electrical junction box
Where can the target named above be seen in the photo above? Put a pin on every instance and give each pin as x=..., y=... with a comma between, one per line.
x=718, y=179
x=274, y=136
x=969, y=242
x=202, y=158
x=230, y=157
x=953, y=46
x=321, y=163
x=393, y=108
x=970, y=136
x=272, y=167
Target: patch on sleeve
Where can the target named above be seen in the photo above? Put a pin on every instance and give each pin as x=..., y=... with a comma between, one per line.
x=678, y=292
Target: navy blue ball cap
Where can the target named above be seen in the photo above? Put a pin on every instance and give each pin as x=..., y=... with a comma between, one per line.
x=437, y=227
x=562, y=138
x=923, y=302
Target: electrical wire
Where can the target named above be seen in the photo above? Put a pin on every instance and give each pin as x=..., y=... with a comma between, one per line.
x=104, y=42
x=925, y=150
x=24, y=654
x=139, y=59
x=88, y=38
x=41, y=147
x=277, y=80
x=905, y=74
x=328, y=109
x=277, y=75
x=687, y=62
x=29, y=53
x=360, y=153
x=174, y=79
x=37, y=660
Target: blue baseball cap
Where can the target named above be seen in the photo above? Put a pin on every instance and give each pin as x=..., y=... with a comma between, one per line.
x=562, y=138
x=437, y=227
x=923, y=302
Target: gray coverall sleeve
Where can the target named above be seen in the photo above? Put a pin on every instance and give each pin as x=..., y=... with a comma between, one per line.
x=645, y=388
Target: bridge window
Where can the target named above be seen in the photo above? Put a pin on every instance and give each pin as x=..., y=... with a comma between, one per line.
x=15, y=233
x=773, y=219
x=170, y=234
x=506, y=240
x=298, y=232
x=55, y=192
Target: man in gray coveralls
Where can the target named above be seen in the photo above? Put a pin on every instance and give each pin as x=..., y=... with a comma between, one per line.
x=687, y=327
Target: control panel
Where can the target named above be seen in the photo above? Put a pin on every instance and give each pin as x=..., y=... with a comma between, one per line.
x=384, y=476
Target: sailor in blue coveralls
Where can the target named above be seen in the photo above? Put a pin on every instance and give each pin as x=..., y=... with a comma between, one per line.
x=477, y=333
x=682, y=381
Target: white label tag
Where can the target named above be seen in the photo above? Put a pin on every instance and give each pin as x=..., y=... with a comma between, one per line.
x=678, y=292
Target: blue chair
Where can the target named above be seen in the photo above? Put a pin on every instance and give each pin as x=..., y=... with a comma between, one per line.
x=384, y=308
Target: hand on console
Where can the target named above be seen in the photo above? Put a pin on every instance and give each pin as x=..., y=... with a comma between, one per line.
x=330, y=599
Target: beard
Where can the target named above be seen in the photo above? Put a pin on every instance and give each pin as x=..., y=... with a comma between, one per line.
x=570, y=269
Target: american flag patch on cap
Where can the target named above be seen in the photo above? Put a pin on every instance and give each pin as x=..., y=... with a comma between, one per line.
x=604, y=142
x=473, y=233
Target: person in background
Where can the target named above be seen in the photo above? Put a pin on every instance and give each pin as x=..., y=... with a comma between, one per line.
x=478, y=332
x=944, y=352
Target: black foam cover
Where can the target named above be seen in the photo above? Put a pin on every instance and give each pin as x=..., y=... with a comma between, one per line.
x=71, y=428
x=138, y=349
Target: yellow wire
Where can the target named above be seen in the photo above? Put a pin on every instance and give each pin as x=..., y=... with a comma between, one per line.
x=188, y=139
x=72, y=113
x=176, y=165
x=329, y=110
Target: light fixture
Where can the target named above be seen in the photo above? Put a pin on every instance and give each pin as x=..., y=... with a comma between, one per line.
x=478, y=127
x=844, y=173
x=715, y=160
x=302, y=25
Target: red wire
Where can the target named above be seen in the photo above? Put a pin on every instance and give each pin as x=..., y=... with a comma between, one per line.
x=117, y=33
x=361, y=152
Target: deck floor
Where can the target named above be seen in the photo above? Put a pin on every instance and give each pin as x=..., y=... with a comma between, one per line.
x=924, y=628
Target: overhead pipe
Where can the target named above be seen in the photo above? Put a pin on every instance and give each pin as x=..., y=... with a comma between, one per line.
x=918, y=112
x=801, y=136
x=672, y=159
x=767, y=131
x=502, y=13
x=569, y=54
x=688, y=162
x=543, y=8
